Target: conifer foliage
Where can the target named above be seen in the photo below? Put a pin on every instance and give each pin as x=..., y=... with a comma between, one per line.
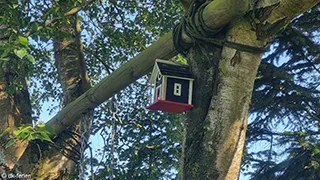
x=285, y=106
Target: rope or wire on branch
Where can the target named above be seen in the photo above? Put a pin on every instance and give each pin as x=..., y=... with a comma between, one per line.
x=200, y=32
x=114, y=110
x=84, y=128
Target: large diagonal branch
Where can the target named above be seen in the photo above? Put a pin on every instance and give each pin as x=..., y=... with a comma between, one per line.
x=217, y=14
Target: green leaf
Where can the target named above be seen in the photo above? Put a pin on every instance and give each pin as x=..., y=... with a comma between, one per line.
x=316, y=151
x=23, y=136
x=41, y=125
x=36, y=136
x=28, y=137
x=20, y=53
x=4, y=59
x=10, y=143
x=23, y=40
x=5, y=53
x=14, y=6
x=23, y=131
x=5, y=131
x=45, y=137
x=34, y=26
x=31, y=58
x=17, y=132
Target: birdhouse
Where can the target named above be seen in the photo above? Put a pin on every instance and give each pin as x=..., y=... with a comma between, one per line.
x=172, y=87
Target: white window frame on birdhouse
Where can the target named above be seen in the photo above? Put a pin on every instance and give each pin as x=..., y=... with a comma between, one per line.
x=190, y=92
x=164, y=88
x=158, y=93
x=177, y=87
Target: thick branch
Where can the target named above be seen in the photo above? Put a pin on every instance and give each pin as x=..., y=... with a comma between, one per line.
x=77, y=9
x=220, y=12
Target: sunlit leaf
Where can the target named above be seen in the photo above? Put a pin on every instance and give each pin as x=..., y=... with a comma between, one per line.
x=41, y=125
x=23, y=40
x=20, y=53
x=31, y=58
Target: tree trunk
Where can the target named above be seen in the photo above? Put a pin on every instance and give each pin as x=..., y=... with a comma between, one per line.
x=15, y=109
x=215, y=129
x=73, y=77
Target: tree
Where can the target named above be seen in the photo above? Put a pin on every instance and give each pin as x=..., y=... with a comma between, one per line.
x=216, y=127
x=285, y=105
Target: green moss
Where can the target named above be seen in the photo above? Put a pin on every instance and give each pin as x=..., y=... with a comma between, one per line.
x=195, y=170
x=223, y=67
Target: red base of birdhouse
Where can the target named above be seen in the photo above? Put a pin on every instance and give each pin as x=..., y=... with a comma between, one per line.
x=170, y=106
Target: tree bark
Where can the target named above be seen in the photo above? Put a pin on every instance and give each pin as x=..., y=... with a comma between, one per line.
x=73, y=77
x=215, y=129
x=15, y=109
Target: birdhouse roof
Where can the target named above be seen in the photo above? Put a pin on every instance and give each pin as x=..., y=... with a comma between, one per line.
x=174, y=69
x=169, y=68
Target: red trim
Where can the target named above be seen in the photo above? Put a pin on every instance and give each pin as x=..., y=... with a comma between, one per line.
x=169, y=106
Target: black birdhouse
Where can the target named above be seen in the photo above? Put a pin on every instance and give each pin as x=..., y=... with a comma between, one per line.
x=172, y=87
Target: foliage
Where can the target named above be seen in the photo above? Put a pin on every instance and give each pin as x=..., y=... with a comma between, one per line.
x=17, y=44
x=27, y=132
x=147, y=143
x=113, y=32
x=285, y=106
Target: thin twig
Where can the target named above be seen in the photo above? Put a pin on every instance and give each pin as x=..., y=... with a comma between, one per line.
x=91, y=163
x=313, y=65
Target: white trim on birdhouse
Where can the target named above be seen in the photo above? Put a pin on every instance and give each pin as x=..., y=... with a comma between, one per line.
x=177, y=88
x=190, y=92
x=152, y=92
x=154, y=74
x=166, y=61
x=156, y=70
x=159, y=76
x=164, y=88
x=177, y=77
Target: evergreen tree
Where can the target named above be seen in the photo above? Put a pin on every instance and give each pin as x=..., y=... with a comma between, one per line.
x=285, y=105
